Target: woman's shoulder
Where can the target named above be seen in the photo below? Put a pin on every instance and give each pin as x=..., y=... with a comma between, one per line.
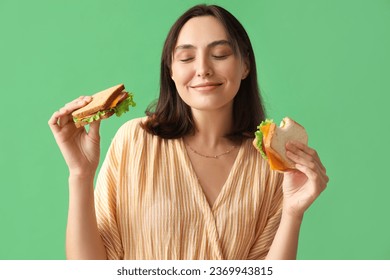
x=132, y=129
x=133, y=123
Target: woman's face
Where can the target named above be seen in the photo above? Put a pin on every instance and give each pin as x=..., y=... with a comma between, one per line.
x=206, y=71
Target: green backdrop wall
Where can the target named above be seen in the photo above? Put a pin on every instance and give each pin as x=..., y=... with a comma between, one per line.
x=324, y=63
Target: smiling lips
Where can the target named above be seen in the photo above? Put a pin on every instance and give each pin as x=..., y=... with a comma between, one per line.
x=206, y=86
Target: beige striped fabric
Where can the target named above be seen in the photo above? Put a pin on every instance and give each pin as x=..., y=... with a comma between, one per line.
x=150, y=206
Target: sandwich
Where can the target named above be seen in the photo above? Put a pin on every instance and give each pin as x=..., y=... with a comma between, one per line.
x=270, y=140
x=104, y=104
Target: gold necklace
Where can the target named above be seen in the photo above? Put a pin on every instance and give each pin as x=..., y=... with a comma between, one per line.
x=208, y=156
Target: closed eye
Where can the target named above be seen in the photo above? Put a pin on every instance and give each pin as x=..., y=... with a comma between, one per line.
x=220, y=57
x=186, y=59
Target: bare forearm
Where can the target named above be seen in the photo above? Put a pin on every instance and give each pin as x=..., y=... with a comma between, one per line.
x=285, y=243
x=83, y=240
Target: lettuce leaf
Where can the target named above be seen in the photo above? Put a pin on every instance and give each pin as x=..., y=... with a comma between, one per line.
x=123, y=107
x=92, y=118
x=259, y=137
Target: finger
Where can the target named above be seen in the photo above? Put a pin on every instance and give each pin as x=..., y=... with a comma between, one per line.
x=318, y=179
x=301, y=160
x=298, y=149
x=305, y=151
x=301, y=155
x=94, y=130
x=53, y=121
x=78, y=103
x=63, y=116
x=312, y=163
x=296, y=146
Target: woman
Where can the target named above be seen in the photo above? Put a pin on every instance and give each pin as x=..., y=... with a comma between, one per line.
x=185, y=182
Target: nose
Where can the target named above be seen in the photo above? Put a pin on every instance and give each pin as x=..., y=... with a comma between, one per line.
x=204, y=67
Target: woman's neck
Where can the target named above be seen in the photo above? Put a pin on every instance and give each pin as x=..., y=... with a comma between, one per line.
x=211, y=129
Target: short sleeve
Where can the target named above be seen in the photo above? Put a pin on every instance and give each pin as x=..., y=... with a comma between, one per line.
x=265, y=238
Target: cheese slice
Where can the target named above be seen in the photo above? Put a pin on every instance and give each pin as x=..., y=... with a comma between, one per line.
x=117, y=99
x=274, y=162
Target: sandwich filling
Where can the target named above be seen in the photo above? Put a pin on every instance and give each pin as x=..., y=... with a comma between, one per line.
x=261, y=134
x=119, y=106
x=261, y=137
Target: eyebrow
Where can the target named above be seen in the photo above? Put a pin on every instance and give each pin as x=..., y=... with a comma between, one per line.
x=211, y=45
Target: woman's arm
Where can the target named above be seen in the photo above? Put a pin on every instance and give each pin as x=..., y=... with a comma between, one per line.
x=83, y=240
x=285, y=243
x=81, y=151
x=301, y=188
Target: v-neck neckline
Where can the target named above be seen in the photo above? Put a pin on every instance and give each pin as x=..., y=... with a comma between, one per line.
x=226, y=184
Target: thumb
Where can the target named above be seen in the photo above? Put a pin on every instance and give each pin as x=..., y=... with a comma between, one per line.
x=94, y=130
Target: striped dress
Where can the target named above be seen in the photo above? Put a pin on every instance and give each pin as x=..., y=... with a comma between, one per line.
x=150, y=206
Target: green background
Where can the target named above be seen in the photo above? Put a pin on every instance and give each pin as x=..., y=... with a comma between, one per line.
x=324, y=63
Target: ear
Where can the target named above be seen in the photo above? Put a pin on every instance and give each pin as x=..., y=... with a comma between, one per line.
x=245, y=74
x=246, y=71
x=172, y=77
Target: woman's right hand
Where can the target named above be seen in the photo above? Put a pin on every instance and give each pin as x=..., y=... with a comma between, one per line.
x=80, y=149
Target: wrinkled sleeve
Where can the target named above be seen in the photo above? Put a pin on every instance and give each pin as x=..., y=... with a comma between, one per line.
x=266, y=236
x=106, y=199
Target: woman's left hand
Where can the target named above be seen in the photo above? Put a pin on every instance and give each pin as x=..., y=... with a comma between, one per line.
x=303, y=185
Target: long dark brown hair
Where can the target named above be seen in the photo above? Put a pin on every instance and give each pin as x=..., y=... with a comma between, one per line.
x=171, y=118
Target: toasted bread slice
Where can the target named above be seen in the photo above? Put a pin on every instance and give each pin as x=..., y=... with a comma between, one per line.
x=278, y=136
x=100, y=101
